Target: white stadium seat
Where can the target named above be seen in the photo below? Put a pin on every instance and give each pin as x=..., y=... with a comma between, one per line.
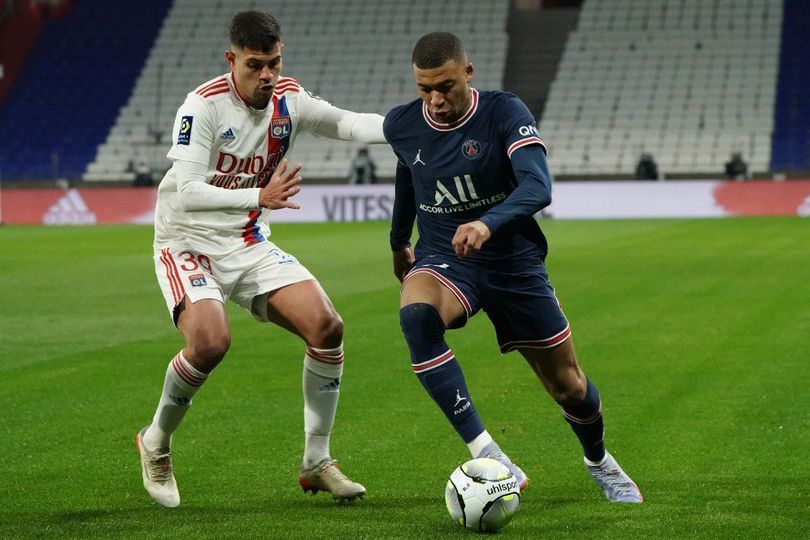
x=357, y=55
x=657, y=71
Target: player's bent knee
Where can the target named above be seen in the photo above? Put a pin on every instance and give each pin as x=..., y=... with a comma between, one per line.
x=333, y=330
x=421, y=323
x=328, y=331
x=569, y=391
x=207, y=351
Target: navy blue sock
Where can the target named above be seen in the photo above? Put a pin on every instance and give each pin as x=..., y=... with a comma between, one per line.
x=437, y=369
x=586, y=420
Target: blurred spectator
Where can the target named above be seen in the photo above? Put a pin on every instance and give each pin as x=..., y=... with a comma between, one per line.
x=143, y=174
x=646, y=169
x=736, y=168
x=362, y=169
x=50, y=8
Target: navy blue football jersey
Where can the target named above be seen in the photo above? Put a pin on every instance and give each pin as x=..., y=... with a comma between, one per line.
x=461, y=170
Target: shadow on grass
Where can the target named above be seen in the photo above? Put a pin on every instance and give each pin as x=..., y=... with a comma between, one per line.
x=282, y=509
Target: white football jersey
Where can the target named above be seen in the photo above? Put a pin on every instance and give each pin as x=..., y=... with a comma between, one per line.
x=240, y=146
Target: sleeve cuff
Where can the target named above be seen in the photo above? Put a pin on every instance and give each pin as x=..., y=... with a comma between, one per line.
x=399, y=246
x=489, y=221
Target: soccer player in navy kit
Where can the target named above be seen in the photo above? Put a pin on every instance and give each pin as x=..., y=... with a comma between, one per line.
x=472, y=167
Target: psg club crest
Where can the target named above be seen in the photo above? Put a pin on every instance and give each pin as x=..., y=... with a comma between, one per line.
x=471, y=149
x=280, y=127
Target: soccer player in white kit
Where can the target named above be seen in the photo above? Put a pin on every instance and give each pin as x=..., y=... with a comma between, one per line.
x=211, y=244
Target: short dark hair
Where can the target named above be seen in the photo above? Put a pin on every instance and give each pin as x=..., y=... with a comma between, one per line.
x=255, y=30
x=435, y=49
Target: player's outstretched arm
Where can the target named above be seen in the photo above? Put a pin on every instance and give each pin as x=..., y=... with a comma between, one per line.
x=324, y=119
x=282, y=185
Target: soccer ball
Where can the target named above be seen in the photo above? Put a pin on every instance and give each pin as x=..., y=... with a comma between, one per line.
x=482, y=494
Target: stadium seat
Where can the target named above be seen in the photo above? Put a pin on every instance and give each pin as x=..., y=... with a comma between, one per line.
x=369, y=70
x=684, y=71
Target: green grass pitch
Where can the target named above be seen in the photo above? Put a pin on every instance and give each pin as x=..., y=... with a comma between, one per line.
x=696, y=331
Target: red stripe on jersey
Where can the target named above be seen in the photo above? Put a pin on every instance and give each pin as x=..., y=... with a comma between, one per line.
x=286, y=89
x=286, y=84
x=208, y=85
x=458, y=123
x=221, y=84
x=216, y=87
x=447, y=283
x=216, y=92
x=214, y=81
x=525, y=142
x=433, y=362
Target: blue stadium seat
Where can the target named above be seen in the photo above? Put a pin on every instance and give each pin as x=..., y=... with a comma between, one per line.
x=791, y=138
x=78, y=75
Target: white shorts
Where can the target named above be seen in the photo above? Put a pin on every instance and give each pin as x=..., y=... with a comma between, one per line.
x=241, y=275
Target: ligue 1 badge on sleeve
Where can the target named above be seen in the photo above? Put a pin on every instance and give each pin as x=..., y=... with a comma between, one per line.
x=184, y=137
x=280, y=127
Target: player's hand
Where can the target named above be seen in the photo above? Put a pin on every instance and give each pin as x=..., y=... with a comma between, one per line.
x=403, y=262
x=470, y=237
x=282, y=185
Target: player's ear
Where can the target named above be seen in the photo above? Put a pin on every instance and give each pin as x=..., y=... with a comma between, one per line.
x=469, y=71
x=230, y=57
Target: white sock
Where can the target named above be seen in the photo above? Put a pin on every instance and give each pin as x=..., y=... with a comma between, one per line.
x=596, y=463
x=479, y=443
x=181, y=383
x=321, y=385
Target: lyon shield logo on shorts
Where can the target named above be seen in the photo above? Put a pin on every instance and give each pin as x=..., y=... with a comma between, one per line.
x=197, y=280
x=280, y=127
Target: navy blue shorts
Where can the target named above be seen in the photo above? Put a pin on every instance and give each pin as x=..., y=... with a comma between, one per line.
x=522, y=306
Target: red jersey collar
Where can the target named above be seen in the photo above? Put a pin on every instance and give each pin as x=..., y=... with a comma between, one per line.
x=439, y=126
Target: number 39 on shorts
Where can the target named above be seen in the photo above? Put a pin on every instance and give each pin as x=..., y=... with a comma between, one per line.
x=194, y=261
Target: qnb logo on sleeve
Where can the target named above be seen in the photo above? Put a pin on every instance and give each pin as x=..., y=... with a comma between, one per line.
x=184, y=137
x=525, y=131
